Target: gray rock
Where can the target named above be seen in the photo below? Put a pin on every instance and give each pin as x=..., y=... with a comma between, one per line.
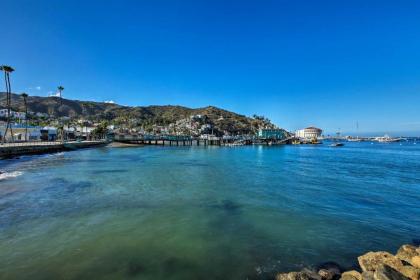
x=329, y=270
x=302, y=275
x=351, y=275
x=372, y=260
x=385, y=272
x=407, y=253
x=411, y=272
x=326, y=274
x=367, y=275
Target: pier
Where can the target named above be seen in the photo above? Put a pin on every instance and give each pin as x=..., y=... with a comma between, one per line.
x=171, y=140
x=40, y=147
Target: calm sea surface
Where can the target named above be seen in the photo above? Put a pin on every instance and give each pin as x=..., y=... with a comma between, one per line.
x=204, y=213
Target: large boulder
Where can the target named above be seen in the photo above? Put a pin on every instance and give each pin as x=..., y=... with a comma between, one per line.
x=329, y=270
x=410, y=272
x=351, y=275
x=367, y=275
x=415, y=261
x=407, y=253
x=326, y=274
x=385, y=272
x=372, y=260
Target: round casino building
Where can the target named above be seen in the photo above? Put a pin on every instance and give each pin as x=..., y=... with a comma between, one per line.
x=309, y=133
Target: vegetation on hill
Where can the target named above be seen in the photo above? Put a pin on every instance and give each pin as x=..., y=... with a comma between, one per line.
x=139, y=116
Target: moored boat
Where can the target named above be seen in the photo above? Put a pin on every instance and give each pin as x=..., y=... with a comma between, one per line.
x=337, y=144
x=387, y=139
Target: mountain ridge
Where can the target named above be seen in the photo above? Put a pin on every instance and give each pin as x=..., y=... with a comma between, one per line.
x=137, y=116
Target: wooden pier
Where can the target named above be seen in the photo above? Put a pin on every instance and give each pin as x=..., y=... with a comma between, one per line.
x=191, y=141
x=174, y=142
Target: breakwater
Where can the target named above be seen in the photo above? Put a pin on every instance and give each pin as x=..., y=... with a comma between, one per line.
x=28, y=148
x=404, y=265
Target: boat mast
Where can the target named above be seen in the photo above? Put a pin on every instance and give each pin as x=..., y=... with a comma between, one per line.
x=357, y=129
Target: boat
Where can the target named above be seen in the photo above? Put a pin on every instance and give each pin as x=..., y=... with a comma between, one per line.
x=387, y=139
x=355, y=139
x=337, y=144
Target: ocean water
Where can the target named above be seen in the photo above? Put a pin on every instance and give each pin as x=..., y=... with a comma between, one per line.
x=204, y=212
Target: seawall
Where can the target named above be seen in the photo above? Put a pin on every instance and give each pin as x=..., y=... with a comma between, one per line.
x=18, y=149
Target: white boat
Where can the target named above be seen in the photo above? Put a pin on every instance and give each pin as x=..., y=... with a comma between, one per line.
x=387, y=139
x=336, y=144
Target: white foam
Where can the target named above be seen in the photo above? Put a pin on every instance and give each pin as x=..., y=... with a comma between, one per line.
x=6, y=175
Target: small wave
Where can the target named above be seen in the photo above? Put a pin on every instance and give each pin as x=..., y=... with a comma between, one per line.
x=7, y=175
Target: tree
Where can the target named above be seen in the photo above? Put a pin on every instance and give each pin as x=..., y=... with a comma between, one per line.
x=7, y=70
x=101, y=130
x=25, y=96
x=60, y=90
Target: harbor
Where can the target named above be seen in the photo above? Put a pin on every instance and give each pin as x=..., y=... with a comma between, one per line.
x=156, y=212
x=210, y=140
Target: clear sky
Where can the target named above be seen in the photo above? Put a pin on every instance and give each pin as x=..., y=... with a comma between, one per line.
x=324, y=63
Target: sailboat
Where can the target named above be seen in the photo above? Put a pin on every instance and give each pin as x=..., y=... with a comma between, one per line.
x=357, y=139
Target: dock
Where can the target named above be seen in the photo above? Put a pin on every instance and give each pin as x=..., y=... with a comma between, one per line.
x=39, y=147
x=171, y=140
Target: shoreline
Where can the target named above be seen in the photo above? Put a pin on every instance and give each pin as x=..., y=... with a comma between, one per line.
x=36, y=148
x=380, y=265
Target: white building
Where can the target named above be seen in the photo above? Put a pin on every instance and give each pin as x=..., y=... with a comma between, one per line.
x=18, y=115
x=32, y=133
x=3, y=113
x=309, y=133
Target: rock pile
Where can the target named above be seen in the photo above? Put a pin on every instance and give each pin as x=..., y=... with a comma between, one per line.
x=405, y=265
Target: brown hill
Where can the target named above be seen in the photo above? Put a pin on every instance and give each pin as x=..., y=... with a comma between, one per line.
x=222, y=120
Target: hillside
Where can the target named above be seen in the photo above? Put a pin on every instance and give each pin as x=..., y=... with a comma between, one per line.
x=139, y=116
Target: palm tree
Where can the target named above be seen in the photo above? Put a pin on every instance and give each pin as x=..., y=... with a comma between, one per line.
x=7, y=70
x=60, y=89
x=25, y=96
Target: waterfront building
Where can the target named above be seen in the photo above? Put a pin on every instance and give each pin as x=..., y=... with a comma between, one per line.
x=209, y=137
x=19, y=130
x=84, y=131
x=275, y=134
x=17, y=115
x=49, y=133
x=309, y=133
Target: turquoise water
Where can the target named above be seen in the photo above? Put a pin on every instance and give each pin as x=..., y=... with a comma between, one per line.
x=204, y=213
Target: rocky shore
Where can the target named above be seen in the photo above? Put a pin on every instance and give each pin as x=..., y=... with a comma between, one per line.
x=404, y=265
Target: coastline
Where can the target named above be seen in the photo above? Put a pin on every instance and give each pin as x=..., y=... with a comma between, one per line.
x=36, y=148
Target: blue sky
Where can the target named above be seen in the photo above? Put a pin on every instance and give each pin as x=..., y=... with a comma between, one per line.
x=299, y=63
